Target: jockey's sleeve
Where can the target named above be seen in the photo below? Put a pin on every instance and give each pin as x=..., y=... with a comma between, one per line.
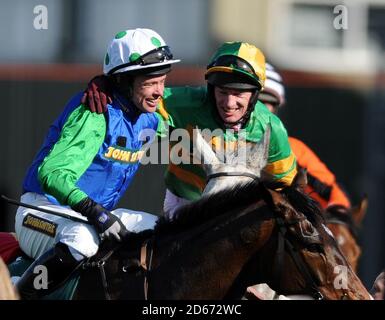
x=80, y=139
x=320, y=179
x=281, y=163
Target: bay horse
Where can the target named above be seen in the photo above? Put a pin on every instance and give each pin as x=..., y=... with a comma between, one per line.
x=233, y=237
x=220, y=244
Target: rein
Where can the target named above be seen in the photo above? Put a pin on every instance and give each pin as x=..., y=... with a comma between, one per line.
x=145, y=264
x=284, y=242
x=100, y=265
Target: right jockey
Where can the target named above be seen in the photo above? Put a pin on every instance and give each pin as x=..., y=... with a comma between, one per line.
x=322, y=185
x=235, y=76
x=87, y=162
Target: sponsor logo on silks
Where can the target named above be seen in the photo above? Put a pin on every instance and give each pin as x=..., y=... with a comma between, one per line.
x=123, y=155
x=103, y=217
x=39, y=224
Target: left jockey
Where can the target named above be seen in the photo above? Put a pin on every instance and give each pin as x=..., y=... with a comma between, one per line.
x=87, y=162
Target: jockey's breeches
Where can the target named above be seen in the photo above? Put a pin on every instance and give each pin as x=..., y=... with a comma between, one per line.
x=39, y=231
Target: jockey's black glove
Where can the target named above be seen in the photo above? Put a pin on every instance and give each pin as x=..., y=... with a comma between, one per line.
x=107, y=224
x=98, y=94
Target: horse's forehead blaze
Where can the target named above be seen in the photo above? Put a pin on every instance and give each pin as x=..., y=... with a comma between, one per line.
x=346, y=243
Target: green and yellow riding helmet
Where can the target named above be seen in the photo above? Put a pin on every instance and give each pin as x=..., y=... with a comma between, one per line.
x=237, y=65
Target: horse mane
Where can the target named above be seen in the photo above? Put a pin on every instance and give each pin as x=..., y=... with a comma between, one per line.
x=209, y=207
x=304, y=203
x=212, y=206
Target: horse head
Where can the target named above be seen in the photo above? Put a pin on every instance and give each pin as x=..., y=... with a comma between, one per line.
x=249, y=170
x=242, y=163
x=305, y=259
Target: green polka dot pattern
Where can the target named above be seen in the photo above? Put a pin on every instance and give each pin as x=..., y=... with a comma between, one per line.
x=120, y=34
x=134, y=56
x=156, y=42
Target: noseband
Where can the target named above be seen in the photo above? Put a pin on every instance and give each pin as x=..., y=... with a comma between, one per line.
x=342, y=219
x=232, y=174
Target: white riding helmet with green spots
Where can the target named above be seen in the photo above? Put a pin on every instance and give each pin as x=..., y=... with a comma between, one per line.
x=135, y=50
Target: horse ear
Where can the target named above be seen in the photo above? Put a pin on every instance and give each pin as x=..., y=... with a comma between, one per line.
x=202, y=150
x=271, y=197
x=257, y=153
x=300, y=180
x=359, y=212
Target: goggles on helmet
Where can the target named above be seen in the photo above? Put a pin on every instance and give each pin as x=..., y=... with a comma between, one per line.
x=154, y=56
x=233, y=62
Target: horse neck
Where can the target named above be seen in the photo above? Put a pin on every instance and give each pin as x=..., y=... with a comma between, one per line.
x=207, y=262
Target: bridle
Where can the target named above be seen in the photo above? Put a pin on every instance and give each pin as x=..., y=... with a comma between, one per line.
x=232, y=174
x=99, y=263
x=344, y=219
x=284, y=243
x=145, y=264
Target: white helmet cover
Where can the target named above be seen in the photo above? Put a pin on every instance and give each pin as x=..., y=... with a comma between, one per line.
x=273, y=86
x=130, y=45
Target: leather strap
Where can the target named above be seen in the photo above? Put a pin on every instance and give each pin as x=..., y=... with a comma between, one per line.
x=232, y=174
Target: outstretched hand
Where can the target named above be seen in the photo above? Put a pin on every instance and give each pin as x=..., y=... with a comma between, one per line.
x=98, y=94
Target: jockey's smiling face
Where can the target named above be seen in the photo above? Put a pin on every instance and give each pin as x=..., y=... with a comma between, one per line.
x=147, y=92
x=232, y=104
